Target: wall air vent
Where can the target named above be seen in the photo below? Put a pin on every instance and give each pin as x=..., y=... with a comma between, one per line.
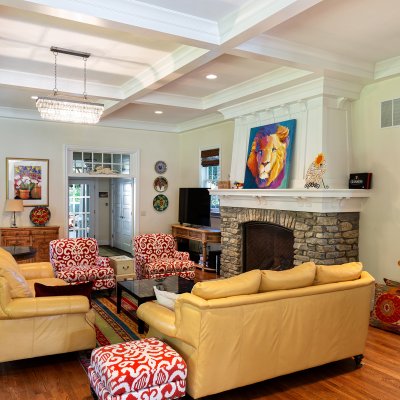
x=390, y=113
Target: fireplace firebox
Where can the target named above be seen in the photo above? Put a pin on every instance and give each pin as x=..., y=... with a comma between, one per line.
x=267, y=246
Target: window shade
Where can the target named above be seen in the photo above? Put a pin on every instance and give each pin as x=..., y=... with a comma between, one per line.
x=210, y=158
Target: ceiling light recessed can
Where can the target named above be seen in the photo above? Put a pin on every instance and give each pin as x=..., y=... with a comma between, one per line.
x=158, y=112
x=211, y=76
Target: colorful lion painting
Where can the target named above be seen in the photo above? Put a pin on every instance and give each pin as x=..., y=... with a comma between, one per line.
x=269, y=155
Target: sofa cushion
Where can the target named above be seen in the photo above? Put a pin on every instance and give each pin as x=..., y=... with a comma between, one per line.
x=81, y=289
x=337, y=273
x=16, y=282
x=246, y=283
x=166, y=299
x=297, y=277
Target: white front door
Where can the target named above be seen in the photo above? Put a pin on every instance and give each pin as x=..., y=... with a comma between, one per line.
x=81, y=220
x=122, y=221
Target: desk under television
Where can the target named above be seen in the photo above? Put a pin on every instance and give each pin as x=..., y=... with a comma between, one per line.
x=203, y=234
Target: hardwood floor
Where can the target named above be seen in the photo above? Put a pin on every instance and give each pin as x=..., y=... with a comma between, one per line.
x=61, y=377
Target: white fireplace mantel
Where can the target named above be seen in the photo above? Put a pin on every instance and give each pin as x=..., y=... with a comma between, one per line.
x=309, y=200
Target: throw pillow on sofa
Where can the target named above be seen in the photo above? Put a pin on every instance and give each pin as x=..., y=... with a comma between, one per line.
x=386, y=312
x=80, y=289
x=297, y=277
x=338, y=273
x=246, y=283
x=166, y=299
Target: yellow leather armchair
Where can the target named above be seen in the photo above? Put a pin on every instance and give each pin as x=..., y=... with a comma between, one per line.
x=32, y=327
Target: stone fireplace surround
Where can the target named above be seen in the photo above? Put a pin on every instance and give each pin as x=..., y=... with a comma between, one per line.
x=325, y=238
x=325, y=223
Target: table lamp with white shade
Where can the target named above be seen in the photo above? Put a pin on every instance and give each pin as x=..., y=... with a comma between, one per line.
x=14, y=206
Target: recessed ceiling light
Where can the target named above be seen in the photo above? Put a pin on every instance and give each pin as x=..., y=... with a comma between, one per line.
x=158, y=112
x=211, y=76
x=34, y=97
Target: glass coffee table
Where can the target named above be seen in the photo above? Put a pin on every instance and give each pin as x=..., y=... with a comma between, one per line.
x=142, y=290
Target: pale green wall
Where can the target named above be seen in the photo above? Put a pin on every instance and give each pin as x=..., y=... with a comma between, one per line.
x=38, y=139
x=191, y=144
x=376, y=150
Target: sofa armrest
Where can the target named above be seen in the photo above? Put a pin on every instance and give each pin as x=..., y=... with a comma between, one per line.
x=45, y=306
x=159, y=317
x=37, y=270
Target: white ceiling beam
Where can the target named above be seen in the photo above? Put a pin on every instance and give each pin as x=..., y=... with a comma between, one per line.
x=180, y=62
x=258, y=16
x=273, y=49
x=131, y=16
x=46, y=83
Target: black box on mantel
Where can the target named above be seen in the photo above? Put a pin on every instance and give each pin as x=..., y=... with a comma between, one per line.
x=360, y=180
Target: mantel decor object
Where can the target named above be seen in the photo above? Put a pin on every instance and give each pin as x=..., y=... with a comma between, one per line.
x=315, y=173
x=28, y=180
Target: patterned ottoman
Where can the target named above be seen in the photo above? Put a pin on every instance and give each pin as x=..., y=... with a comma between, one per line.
x=138, y=370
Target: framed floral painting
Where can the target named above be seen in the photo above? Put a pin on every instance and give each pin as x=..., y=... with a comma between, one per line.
x=28, y=180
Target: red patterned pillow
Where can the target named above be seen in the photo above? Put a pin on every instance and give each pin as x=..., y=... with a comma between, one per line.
x=386, y=312
x=81, y=289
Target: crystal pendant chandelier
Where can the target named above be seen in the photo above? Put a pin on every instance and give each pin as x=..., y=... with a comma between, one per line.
x=65, y=110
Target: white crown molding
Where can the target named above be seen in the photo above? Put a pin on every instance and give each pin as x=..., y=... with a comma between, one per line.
x=270, y=80
x=200, y=122
x=18, y=113
x=65, y=86
x=121, y=14
x=297, y=93
x=170, y=99
x=387, y=68
x=306, y=57
x=139, y=125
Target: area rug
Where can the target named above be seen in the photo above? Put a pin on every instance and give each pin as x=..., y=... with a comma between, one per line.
x=111, y=327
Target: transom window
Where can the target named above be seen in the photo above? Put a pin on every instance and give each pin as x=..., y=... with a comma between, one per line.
x=84, y=162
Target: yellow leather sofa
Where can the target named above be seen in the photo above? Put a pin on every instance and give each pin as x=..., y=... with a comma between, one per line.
x=262, y=324
x=31, y=327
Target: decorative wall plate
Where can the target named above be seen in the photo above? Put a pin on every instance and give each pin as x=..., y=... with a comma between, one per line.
x=160, y=202
x=160, y=167
x=39, y=215
x=160, y=184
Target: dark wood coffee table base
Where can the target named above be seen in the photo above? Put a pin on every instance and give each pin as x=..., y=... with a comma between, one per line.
x=142, y=290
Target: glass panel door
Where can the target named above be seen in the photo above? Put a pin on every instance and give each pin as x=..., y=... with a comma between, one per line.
x=80, y=207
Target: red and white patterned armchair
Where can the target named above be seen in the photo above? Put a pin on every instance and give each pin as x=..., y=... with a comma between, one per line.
x=157, y=257
x=78, y=260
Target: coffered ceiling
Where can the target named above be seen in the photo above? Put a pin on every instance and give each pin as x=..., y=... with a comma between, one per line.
x=154, y=55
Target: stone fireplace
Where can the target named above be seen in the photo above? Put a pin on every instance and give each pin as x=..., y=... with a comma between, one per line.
x=325, y=225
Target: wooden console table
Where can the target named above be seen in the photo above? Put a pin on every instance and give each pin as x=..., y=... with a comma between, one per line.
x=202, y=234
x=37, y=237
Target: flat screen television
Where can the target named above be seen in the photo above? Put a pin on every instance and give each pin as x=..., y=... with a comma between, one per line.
x=194, y=206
